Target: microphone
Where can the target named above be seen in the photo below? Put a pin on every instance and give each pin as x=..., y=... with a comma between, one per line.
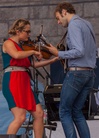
x=41, y=38
x=41, y=30
x=40, y=35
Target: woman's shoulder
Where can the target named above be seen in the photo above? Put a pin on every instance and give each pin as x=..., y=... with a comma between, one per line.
x=8, y=41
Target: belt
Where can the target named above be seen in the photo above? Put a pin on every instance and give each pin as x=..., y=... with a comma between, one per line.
x=14, y=68
x=79, y=68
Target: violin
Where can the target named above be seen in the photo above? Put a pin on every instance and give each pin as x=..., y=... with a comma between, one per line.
x=60, y=46
x=32, y=45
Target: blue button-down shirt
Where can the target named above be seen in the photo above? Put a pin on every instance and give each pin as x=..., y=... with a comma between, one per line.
x=81, y=43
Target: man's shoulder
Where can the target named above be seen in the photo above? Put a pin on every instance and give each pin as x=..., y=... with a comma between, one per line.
x=78, y=21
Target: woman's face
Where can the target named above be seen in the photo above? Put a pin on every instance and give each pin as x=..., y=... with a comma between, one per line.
x=25, y=33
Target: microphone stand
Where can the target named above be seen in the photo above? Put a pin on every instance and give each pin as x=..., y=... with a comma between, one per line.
x=39, y=73
x=48, y=76
x=36, y=80
x=35, y=77
x=39, y=40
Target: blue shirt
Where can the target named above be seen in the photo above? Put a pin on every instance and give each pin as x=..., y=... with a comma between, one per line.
x=81, y=43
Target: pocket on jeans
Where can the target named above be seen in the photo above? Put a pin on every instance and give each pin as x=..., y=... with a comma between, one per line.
x=77, y=82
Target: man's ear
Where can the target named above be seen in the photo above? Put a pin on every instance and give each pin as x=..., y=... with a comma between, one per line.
x=64, y=12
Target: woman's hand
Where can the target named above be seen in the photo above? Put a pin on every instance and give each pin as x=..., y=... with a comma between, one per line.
x=38, y=55
x=55, y=59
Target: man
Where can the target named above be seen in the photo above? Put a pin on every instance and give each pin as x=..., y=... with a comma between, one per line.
x=79, y=78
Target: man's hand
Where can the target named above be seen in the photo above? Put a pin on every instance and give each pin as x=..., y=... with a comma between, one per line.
x=53, y=50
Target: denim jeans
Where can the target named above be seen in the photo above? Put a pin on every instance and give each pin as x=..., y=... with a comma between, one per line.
x=76, y=87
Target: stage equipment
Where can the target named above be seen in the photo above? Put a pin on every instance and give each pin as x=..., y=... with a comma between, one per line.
x=96, y=84
x=52, y=100
x=13, y=136
x=93, y=112
x=48, y=126
x=93, y=98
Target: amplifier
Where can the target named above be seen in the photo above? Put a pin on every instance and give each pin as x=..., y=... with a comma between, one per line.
x=52, y=93
x=52, y=100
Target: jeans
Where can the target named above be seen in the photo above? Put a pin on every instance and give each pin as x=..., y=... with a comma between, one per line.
x=76, y=87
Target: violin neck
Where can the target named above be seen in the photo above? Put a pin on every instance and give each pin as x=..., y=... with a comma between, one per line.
x=47, y=43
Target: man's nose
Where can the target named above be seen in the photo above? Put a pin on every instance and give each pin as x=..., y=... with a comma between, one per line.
x=59, y=22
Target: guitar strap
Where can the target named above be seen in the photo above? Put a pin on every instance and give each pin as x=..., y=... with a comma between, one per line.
x=62, y=40
x=63, y=61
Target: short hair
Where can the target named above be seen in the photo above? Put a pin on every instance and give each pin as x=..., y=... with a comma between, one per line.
x=66, y=6
x=18, y=25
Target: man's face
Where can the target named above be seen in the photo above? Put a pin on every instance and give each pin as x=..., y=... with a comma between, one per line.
x=61, y=18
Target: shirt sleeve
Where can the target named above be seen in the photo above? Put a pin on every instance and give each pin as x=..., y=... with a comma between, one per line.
x=75, y=43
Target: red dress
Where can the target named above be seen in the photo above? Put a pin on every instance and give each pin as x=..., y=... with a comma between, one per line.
x=16, y=85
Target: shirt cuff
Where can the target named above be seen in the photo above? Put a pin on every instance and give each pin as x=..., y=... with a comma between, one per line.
x=61, y=54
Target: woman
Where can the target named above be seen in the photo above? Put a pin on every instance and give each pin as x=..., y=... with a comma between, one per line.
x=16, y=81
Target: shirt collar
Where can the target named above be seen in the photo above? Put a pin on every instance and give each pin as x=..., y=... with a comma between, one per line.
x=74, y=17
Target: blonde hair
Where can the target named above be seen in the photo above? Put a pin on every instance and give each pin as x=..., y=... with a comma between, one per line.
x=18, y=25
